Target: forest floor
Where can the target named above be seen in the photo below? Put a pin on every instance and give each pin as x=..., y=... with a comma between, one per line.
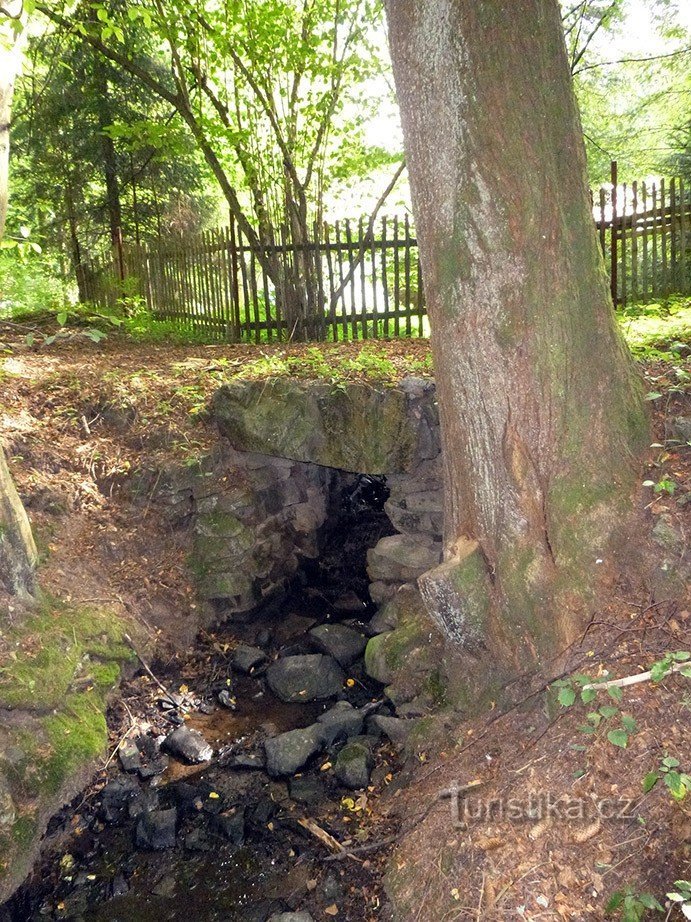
x=79, y=419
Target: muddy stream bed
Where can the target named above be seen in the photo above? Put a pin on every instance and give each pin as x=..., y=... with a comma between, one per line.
x=166, y=833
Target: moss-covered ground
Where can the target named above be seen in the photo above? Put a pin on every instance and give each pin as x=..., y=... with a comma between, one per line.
x=58, y=664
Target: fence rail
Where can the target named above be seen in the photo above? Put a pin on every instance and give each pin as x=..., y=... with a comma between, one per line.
x=354, y=280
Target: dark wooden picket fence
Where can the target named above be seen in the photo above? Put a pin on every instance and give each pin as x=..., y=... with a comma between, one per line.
x=353, y=280
x=348, y=281
x=645, y=235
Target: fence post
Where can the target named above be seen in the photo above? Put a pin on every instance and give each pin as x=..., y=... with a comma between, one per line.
x=613, y=236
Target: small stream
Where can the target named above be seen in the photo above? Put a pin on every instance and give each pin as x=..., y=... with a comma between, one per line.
x=238, y=852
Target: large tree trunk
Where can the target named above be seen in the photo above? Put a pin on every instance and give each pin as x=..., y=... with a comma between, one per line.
x=542, y=415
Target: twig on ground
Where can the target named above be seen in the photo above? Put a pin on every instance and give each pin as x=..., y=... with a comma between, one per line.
x=322, y=835
x=478, y=915
x=130, y=643
x=632, y=679
x=362, y=849
x=117, y=746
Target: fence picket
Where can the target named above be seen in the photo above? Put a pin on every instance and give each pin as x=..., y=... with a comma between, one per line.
x=663, y=237
x=683, y=220
x=384, y=278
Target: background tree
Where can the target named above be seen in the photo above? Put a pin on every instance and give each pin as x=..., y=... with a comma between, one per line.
x=97, y=154
x=541, y=412
x=17, y=549
x=261, y=88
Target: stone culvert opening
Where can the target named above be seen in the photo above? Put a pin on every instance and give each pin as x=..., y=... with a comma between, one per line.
x=336, y=487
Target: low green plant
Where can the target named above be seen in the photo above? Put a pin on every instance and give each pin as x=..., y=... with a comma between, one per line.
x=582, y=686
x=681, y=896
x=373, y=363
x=664, y=485
x=671, y=661
x=568, y=690
x=677, y=782
x=631, y=906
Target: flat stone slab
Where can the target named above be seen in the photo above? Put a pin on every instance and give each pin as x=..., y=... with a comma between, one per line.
x=389, y=429
x=308, y=677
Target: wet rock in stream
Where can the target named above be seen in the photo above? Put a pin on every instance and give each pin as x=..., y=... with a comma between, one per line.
x=115, y=799
x=142, y=755
x=231, y=825
x=245, y=761
x=227, y=700
x=354, y=764
x=157, y=830
x=342, y=720
x=309, y=677
x=289, y=752
x=188, y=745
x=246, y=659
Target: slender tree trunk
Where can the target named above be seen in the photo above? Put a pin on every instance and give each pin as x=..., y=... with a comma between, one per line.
x=9, y=64
x=541, y=412
x=110, y=163
x=75, y=247
x=18, y=555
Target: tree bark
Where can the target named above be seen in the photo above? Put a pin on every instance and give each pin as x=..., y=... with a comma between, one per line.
x=541, y=411
x=75, y=247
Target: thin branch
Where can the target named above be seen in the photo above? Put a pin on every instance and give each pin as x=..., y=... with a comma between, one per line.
x=17, y=16
x=654, y=57
x=367, y=238
x=578, y=56
x=599, y=147
x=265, y=103
x=573, y=9
x=334, y=93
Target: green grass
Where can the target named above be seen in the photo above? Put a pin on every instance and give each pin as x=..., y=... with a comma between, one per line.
x=30, y=293
x=56, y=647
x=657, y=331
